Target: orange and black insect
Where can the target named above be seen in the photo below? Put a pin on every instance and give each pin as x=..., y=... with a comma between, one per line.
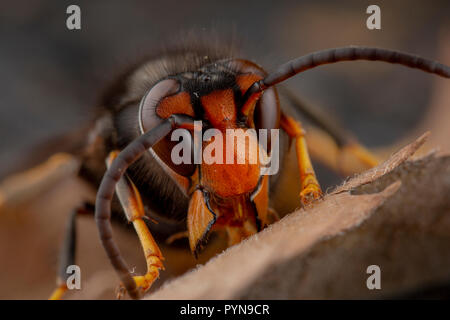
x=163, y=93
x=225, y=93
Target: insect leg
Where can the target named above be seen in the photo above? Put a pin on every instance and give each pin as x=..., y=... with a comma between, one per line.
x=310, y=188
x=23, y=186
x=341, y=145
x=68, y=249
x=131, y=202
x=108, y=185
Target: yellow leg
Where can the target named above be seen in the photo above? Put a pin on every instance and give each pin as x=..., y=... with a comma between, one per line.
x=332, y=144
x=134, y=210
x=21, y=187
x=152, y=253
x=59, y=292
x=347, y=160
x=68, y=250
x=310, y=188
x=362, y=154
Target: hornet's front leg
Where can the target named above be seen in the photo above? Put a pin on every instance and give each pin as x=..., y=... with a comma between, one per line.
x=310, y=188
x=131, y=202
x=112, y=182
x=68, y=250
x=330, y=143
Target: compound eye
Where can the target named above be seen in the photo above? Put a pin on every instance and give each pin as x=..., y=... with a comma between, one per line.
x=148, y=118
x=267, y=112
x=152, y=112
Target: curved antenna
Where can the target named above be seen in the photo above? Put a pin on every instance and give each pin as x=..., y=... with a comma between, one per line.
x=107, y=187
x=350, y=53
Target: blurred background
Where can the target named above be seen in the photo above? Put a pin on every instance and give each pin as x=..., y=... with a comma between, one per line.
x=52, y=76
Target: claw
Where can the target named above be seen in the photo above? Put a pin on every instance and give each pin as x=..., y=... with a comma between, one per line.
x=310, y=194
x=145, y=282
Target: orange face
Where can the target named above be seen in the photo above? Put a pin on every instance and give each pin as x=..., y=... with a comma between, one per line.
x=240, y=175
x=220, y=111
x=226, y=188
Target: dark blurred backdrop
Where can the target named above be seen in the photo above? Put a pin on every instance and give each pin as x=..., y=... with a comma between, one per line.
x=50, y=76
